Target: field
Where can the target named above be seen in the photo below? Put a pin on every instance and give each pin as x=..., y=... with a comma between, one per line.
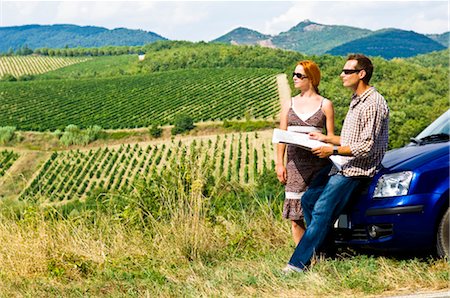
x=26, y=65
x=75, y=174
x=192, y=215
x=139, y=101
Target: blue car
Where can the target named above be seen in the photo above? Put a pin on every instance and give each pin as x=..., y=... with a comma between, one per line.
x=406, y=205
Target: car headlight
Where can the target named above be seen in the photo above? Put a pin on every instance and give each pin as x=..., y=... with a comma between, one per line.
x=393, y=185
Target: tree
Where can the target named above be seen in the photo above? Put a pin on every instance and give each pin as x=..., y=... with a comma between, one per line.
x=155, y=131
x=182, y=123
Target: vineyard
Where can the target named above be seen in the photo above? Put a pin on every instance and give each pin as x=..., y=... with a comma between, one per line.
x=7, y=159
x=139, y=101
x=31, y=65
x=75, y=174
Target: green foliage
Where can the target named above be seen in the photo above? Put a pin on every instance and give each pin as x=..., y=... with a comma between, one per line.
x=8, y=78
x=155, y=131
x=6, y=134
x=249, y=125
x=75, y=136
x=7, y=159
x=182, y=123
x=138, y=101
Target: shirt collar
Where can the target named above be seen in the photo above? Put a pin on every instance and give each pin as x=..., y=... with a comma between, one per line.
x=356, y=99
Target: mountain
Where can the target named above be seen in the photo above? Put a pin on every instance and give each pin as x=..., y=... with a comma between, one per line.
x=389, y=43
x=443, y=39
x=59, y=36
x=243, y=36
x=313, y=38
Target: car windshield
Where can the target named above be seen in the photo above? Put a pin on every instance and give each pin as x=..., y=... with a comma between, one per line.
x=438, y=131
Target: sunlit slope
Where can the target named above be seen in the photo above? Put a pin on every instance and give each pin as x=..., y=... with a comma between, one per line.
x=73, y=174
x=139, y=101
x=31, y=65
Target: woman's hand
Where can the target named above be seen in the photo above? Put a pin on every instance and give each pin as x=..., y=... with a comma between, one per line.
x=281, y=173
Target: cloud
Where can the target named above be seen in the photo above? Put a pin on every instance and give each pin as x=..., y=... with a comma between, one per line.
x=419, y=16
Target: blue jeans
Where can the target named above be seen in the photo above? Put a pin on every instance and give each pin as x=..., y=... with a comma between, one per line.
x=322, y=203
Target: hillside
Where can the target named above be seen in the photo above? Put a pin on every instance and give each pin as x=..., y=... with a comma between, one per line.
x=443, y=39
x=140, y=100
x=243, y=36
x=389, y=43
x=29, y=65
x=59, y=36
x=433, y=59
x=313, y=38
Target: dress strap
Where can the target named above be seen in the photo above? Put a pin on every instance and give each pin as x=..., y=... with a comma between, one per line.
x=321, y=103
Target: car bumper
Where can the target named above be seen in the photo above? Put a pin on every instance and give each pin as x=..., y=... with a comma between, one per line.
x=406, y=222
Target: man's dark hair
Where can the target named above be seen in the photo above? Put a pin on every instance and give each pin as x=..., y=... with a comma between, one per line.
x=363, y=63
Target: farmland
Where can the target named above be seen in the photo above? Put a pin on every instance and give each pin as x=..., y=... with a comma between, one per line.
x=197, y=214
x=75, y=174
x=138, y=101
x=29, y=65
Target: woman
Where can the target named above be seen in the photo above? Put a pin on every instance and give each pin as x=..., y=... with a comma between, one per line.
x=304, y=113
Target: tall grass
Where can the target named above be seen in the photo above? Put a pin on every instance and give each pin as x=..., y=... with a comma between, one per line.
x=182, y=234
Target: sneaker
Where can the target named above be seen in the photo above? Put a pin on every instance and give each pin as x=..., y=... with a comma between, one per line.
x=289, y=269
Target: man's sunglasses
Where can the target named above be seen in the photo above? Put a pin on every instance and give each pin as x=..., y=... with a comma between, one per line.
x=299, y=75
x=350, y=71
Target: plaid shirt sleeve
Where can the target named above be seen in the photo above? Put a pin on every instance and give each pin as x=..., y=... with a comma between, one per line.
x=371, y=127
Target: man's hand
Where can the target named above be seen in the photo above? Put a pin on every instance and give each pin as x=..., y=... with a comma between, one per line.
x=322, y=151
x=317, y=136
x=281, y=173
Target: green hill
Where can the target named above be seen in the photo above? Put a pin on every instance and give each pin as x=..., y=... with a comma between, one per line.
x=242, y=36
x=433, y=59
x=59, y=36
x=313, y=38
x=443, y=39
x=140, y=100
x=389, y=43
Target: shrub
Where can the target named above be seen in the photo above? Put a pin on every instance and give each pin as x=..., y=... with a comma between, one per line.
x=155, y=131
x=75, y=136
x=9, y=78
x=182, y=123
x=6, y=134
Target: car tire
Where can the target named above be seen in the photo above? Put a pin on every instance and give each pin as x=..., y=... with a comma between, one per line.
x=443, y=236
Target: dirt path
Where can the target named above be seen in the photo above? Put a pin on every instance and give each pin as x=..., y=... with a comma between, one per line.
x=284, y=90
x=21, y=172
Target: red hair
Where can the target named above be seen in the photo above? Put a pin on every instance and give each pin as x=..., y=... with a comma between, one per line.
x=312, y=71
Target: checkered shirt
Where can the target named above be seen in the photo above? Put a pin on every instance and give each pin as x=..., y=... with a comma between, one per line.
x=365, y=130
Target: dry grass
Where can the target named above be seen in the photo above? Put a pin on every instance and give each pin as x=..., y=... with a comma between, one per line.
x=122, y=252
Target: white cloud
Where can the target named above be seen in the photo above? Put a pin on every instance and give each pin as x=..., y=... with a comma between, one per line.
x=206, y=20
x=419, y=16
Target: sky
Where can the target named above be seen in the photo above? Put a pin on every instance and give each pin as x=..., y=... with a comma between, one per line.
x=207, y=20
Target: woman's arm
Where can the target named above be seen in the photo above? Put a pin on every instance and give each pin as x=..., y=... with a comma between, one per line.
x=281, y=148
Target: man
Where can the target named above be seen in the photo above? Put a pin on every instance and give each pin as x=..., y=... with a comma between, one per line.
x=363, y=143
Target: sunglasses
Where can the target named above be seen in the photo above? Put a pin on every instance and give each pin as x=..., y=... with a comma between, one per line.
x=350, y=71
x=299, y=75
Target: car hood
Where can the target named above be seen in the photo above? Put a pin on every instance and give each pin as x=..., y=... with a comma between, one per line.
x=413, y=156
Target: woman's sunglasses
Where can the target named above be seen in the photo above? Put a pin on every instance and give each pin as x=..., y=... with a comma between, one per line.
x=299, y=75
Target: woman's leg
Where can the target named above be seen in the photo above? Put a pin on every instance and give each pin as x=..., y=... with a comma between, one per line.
x=298, y=229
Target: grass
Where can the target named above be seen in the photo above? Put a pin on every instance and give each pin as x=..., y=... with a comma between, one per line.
x=182, y=236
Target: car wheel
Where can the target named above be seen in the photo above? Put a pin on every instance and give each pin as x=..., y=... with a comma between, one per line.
x=443, y=236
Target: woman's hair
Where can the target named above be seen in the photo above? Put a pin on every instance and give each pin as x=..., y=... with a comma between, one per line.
x=312, y=71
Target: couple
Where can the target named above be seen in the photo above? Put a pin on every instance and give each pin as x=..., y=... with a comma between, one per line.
x=316, y=195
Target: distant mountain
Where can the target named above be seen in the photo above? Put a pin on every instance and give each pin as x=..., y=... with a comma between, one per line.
x=313, y=38
x=443, y=39
x=389, y=43
x=59, y=36
x=243, y=36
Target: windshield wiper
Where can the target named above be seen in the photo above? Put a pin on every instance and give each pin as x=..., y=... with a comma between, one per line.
x=436, y=138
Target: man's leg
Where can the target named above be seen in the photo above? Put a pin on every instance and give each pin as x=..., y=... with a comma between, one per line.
x=313, y=193
x=335, y=194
